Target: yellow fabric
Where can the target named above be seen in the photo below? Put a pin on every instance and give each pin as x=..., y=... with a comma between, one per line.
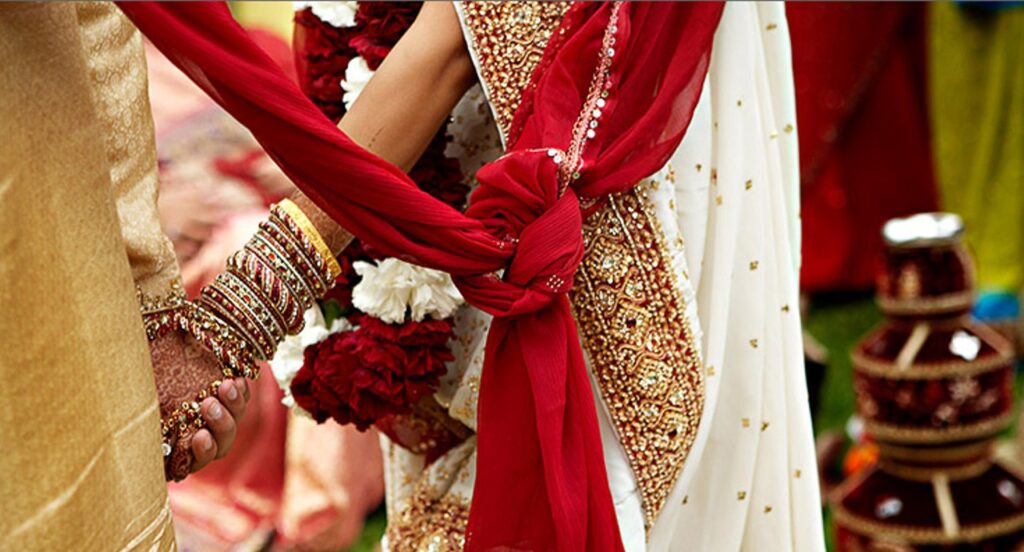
x=80, y=467
x=976, y=67
x=275, y=17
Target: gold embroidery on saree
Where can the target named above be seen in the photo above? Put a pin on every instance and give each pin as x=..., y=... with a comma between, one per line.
x=633, y=321
x=631, y=315
x=509, y=40
x=430, y=524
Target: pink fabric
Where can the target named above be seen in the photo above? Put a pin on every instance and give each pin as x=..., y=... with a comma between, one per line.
x=541, y=482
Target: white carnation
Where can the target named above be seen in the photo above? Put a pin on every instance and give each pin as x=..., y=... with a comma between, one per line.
x=289, y=357
x=435, y=295
x=357, y=74
x=392, y=288
x=336, y=14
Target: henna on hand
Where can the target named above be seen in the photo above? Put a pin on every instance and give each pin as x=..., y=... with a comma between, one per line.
x=180, y=366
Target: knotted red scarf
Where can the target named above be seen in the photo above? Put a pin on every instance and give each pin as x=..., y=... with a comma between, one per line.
x=541, y=481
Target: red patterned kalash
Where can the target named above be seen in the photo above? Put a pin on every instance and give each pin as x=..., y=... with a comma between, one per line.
x=934, y=389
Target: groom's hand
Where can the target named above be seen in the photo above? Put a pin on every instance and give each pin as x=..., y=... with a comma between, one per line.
x=181, y=368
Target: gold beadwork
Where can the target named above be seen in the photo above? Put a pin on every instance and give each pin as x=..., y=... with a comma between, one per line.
x=509, y=39
x=633, y=321
x=151, y=304
x=430, y=525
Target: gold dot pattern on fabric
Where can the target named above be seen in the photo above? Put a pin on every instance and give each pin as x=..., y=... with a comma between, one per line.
x=632, y=318
x=509, y=39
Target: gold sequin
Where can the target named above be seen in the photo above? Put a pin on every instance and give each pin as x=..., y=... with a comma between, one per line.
x=788, y=129
x=509, y=39
x=741, y=495
x=748, y=184
x=764, y=426
x=797, y=473
x=753, y=265
x=632, y=318
x=173, y=298
x=698, y=167
x=745, y=422
x=753, y=343
x=767, y=509
x=427, y=524
x=718, y=200
x=772, y=26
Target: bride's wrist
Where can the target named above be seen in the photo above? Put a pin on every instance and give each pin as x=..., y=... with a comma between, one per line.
x=334, y=235
x=250, y=307
x=272, y=280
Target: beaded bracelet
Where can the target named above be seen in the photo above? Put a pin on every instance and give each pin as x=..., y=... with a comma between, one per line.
x=250, y=307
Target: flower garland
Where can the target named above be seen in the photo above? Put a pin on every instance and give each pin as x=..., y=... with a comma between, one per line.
x=393, y=347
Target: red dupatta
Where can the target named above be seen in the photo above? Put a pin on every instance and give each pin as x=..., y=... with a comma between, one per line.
x=541, y=482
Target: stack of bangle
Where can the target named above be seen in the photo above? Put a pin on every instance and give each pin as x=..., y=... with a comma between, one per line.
x=270, y=282
x=250, y=307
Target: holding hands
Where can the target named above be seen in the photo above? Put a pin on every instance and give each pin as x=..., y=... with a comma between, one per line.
x=181, y=366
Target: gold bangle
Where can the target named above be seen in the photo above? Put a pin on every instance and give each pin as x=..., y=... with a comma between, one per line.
x=307, y=227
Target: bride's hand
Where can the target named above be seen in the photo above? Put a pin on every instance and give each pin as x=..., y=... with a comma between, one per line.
x=182, y=367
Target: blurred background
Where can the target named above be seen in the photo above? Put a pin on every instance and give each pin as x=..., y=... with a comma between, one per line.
x=903, y=108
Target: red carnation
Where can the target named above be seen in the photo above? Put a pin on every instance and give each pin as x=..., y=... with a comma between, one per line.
x=322, y=53
x=376, y=370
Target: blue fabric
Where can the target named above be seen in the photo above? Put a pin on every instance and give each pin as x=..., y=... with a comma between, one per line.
x=990, y=6
x=994, y=306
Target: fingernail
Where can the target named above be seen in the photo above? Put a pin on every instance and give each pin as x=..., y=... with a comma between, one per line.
x=208, y=444
x=215, y=411
x=232, y=392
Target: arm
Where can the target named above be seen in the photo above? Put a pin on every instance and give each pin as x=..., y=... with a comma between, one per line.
x=406, y=101
x=395, y=117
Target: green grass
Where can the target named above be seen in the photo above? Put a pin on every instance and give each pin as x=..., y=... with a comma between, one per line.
x=372, y=531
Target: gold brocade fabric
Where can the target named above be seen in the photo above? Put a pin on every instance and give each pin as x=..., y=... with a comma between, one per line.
x=117, y=67
x=80, y=468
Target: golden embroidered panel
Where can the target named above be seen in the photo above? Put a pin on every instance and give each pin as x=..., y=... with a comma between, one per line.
x=435, y=525
x=509, y=40
x=632, y=317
